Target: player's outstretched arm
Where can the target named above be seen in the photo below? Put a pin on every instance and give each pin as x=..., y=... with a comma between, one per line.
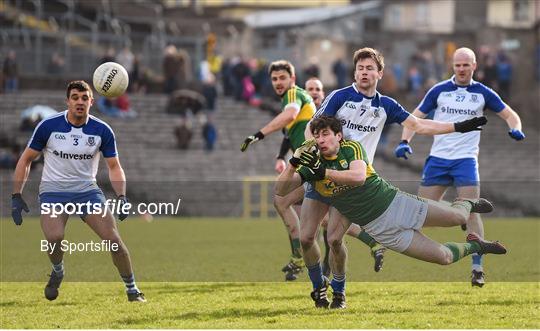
x=514, y=123
x=430, y=127
x=279, y=122
x=406, y=137
x=19, y=179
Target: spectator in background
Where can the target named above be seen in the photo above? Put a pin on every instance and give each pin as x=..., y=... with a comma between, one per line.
x=10, y=71
x=135, y=75
x=56, y=64
x=209, y=89
x=312, y=70
x=339, y=68
x=209, y=133
x=171, y=67
x=226, y=77
x=176, y=69
x=183, y=133
x=239, y=71
x=108, y=56
x=490, y=72
x=116, y=107
x=8, y=160
x=182, y=102
x=126, y=58
x=504, y=75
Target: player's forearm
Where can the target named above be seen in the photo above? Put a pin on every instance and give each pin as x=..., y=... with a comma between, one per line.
x=287, y=181
x=118, y=180
x=346, y=177
x=22, y=170
x=407, y=134
x=512, y=118
x=282, y=120
x=429, y=127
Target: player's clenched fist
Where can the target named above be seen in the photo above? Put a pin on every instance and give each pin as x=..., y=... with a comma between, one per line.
x=17, y=206
x=251, y=139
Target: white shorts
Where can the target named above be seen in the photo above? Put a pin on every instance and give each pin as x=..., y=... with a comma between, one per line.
x=395, y=227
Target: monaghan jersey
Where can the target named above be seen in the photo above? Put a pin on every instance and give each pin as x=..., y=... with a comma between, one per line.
x=453, y=103
x=71, y=153
x=303, y=102
x=360, y=204
x=362, y=118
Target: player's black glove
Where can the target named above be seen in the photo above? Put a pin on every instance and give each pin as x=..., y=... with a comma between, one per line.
x=17, y=206
x=312, y=161
x=251, y=139
x=122, y=200
x=472, y=124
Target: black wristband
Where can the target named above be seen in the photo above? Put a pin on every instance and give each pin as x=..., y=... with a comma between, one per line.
x=259, y=135
x=16, y=195
x=404, y=141
x=284, y=148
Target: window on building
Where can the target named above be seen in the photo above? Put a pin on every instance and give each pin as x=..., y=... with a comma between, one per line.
x=395, y=16
x=372, y=24
x=421, y=13
x=521, y=10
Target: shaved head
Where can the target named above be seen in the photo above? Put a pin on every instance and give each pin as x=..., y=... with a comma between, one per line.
x=464, y=54
x=464, y=65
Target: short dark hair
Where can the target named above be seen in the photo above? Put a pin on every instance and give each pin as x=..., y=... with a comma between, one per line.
x=79, y=85
x=281, y=65
x=369, y=53
x=324, y=122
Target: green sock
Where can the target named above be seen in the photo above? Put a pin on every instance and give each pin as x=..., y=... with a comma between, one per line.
x=460, y=250
x=296, y=248
x=366, y=239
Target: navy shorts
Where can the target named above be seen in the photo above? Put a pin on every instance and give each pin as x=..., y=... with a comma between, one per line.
x=89, y=199
x=443, y=172
x=311, y=193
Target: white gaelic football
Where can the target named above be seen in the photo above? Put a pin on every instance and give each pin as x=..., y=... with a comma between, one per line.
x=111, y=79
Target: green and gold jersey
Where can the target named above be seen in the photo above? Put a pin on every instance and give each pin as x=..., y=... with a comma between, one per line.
x=295, y=129
x=360, y=204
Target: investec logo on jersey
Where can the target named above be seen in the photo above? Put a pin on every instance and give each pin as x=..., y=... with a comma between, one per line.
x=70, y=156
x=358, y=127
x=450, y=110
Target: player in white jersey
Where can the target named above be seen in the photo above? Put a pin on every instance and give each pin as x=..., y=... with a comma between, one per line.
x=71, y=142
x=453, y=160
x=363, y=113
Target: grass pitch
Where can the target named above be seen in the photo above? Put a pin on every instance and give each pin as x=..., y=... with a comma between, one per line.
x=210, y=273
